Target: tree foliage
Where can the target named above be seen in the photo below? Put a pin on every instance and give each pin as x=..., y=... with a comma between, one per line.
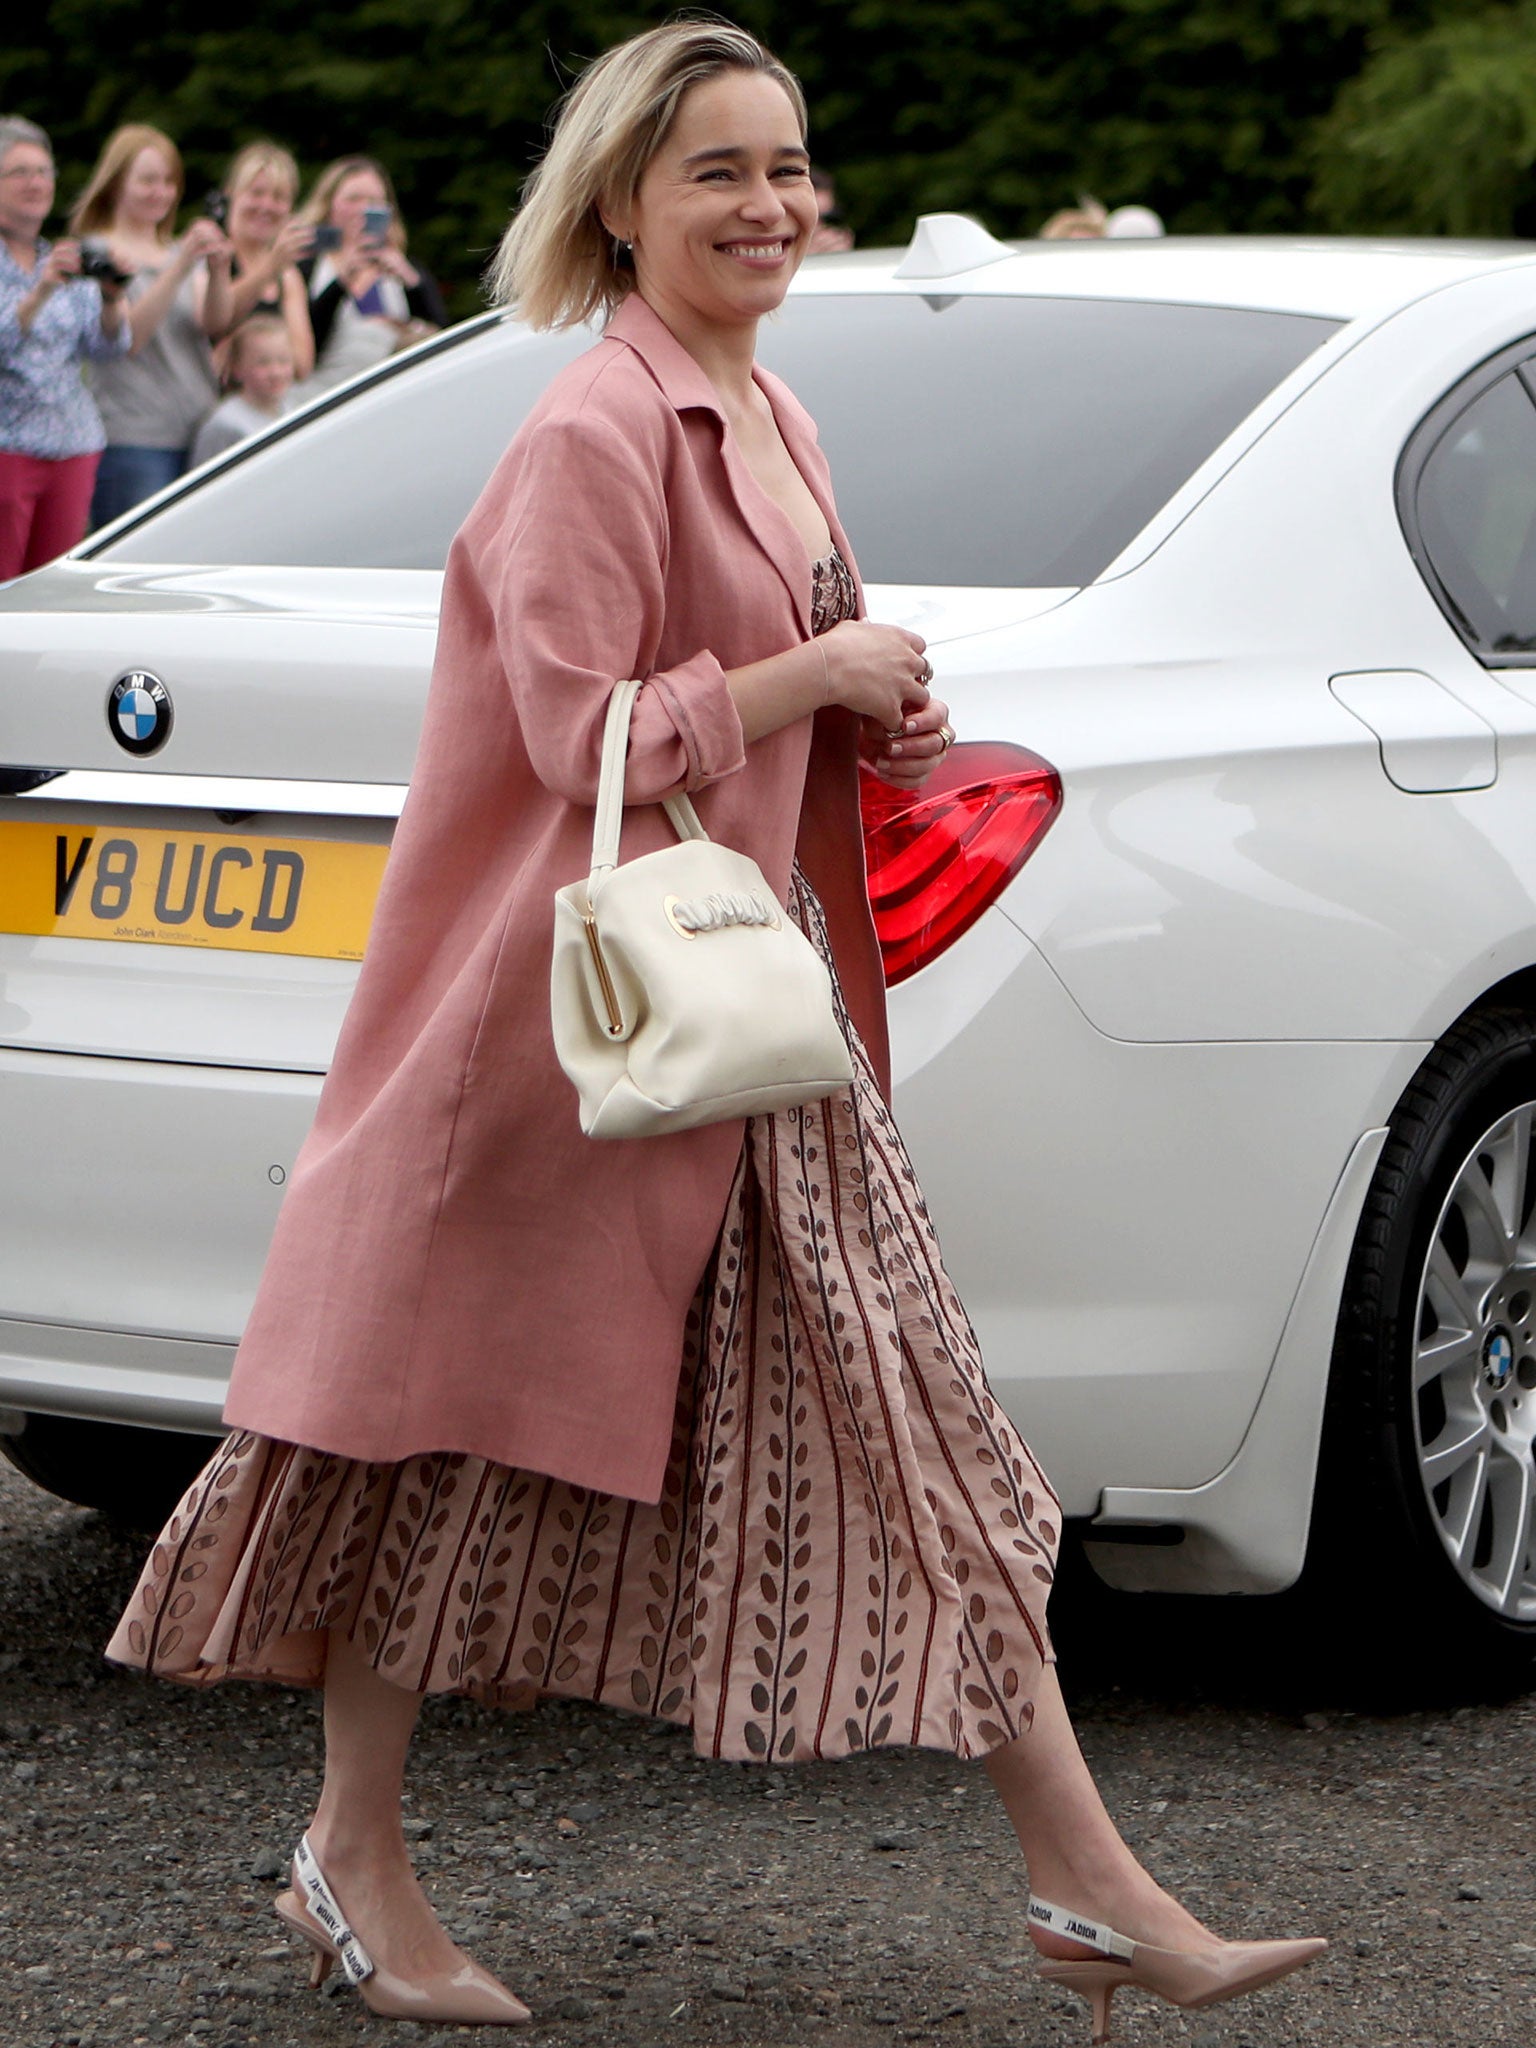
x=1204, y=109
x=1437, y=135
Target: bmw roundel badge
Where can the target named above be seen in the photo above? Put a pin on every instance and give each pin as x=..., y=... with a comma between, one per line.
x=139, y=712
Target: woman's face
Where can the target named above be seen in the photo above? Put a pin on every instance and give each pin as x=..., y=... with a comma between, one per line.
x=259, y=209
x=357, y=191
x=26, y=190
x=148, y=191
x=725, y=209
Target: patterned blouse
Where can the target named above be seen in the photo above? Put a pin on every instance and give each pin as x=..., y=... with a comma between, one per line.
x=834, y=596
x=45, y=409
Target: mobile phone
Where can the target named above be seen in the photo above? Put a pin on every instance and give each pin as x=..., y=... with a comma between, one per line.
x=216, y=207
x=376, y=220
x=326, y=237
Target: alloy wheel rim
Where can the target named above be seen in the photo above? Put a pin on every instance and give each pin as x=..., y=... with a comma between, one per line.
x=1474, y=1370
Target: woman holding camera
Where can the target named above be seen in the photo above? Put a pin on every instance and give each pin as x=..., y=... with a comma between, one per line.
x=366, y=299
x=51, y=318
x=154, y=399
x=259, y=191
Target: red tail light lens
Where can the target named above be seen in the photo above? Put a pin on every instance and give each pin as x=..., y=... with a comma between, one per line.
x=937, y=856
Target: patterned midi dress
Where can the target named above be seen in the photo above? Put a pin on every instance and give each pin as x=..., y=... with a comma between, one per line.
x=853, y=1546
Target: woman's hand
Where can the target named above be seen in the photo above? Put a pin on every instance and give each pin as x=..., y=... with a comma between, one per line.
x=205, y=239
x=359, y=264
x=881, y=672
x=393, y=264
x=925, y=739
x=60, y=264
x=293, y=242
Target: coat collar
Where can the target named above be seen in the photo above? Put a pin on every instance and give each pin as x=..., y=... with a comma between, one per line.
x=686, y=388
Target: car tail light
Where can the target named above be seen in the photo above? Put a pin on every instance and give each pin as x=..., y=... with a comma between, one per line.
x=936, y=857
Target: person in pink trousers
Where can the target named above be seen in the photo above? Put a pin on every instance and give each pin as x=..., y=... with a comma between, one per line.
x=51, y=321
x=690, y=1425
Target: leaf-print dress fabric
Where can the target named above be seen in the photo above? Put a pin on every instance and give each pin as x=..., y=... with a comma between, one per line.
x=853, y=1546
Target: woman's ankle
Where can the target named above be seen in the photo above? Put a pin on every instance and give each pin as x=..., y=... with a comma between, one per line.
x=340, y=1842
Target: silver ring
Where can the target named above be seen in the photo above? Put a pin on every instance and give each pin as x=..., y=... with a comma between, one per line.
x=899, y=733
x=925, y=673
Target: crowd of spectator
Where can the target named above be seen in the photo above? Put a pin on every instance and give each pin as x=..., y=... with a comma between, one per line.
x=128, y=350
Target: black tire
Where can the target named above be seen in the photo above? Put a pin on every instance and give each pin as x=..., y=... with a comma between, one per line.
x=134, y=1476
x=1381, y=1558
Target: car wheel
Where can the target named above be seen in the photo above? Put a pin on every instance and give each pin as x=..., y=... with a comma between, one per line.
x=1426, y=1523
x=135, y=1476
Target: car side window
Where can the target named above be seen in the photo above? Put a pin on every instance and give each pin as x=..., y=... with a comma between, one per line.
x=379, y=478
x=1471, y=511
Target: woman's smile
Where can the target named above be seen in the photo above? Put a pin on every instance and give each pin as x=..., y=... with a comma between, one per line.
x=758, y=254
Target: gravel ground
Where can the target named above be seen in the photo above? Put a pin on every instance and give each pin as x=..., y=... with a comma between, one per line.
x=634, y=1894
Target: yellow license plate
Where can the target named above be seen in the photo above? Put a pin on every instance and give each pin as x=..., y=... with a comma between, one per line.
x=189, y=888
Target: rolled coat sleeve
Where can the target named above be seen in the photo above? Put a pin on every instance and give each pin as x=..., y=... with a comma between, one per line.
x=575, y=574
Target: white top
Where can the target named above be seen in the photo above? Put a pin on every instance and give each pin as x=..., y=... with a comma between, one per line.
x=357, y=340
x=158, y=398
x=231, y=422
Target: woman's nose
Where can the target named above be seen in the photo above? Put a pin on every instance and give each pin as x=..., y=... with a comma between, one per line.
x=763, y=200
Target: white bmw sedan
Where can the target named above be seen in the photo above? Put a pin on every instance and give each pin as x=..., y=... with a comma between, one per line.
x=1212, y=953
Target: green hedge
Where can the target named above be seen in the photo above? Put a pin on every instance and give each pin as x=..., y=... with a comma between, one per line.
x=1211, y=111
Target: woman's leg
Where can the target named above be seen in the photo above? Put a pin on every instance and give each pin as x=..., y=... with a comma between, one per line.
x=63, y=509
x=22, y=480
x=127, y=475
x=356, y=1832
x=1075, y=1855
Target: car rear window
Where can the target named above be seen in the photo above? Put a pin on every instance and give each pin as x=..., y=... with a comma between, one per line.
x=1001, y=441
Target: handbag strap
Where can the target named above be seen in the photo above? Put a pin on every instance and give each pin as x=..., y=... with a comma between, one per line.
x=609, y=816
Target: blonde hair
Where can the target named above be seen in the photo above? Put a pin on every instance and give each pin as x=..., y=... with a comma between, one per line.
x=247, y=165
x=558, y=264
x=1081, y=223
x=96, y=208
x=322, y=194
x=255, y=327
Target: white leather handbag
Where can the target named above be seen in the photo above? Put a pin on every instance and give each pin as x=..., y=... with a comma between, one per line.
x=680, y=992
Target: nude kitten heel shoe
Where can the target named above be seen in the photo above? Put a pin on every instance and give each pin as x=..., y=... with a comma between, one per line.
x=465, y=1997
x=1184, y=1978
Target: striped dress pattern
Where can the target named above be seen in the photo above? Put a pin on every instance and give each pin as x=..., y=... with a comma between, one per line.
x=853, y=1547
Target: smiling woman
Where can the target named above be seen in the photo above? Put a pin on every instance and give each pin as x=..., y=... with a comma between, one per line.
x=692, y=1424
x=155, y=397
x=50, y=319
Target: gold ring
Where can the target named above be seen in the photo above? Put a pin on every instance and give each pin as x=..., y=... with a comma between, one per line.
x=946, y=734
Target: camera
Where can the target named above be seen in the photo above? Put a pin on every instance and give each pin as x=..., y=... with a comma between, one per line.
x=376, y=220
x=216, y=208
x=326, y=237
x=96, y=261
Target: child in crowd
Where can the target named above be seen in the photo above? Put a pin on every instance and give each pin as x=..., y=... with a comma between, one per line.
x=260, y=370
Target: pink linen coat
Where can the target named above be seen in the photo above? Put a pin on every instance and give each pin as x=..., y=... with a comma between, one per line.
x=455, y=1267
